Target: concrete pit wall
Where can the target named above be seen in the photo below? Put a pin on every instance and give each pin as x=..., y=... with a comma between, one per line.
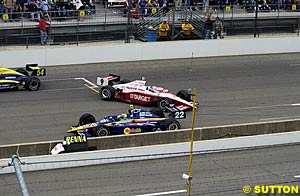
x=156, y=138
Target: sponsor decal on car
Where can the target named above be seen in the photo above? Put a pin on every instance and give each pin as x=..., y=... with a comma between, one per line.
x=4, y=86
x=128, y=130
x=140, y=97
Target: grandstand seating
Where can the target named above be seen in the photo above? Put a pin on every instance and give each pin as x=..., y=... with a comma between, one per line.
x=107, y=24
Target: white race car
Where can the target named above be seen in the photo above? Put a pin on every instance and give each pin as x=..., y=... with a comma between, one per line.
x=112, y=88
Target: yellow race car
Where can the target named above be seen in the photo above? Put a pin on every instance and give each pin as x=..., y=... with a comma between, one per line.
x=20, y=79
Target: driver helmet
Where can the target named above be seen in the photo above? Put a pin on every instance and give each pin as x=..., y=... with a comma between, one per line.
x=122, y=116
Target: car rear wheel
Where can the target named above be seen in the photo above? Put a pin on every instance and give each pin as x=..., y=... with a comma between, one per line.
x=107, y=93
x=33, y=83
x=86, y=119
x=158, y=111
x=101, y=131
x=171, y=124
x=184, y=94
x=164, y=102
x=22, y=71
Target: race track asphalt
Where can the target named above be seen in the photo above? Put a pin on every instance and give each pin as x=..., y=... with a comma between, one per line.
x=230, y=90
x=213, y=174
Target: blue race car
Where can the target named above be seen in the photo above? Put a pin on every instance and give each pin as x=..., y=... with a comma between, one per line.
x=20, y=79
x=136, y=121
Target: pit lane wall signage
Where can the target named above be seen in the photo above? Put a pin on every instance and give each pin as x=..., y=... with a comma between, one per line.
x=72, y=143
x=75, y=139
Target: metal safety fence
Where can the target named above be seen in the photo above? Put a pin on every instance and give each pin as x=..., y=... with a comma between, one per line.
x=126, y=25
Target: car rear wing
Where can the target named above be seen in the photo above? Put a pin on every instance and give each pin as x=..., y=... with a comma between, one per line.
x=108, y=80
x=36, y=70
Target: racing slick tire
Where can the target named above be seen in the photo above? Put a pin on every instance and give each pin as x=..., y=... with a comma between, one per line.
x=32, y=83
x=171, y=124
x=101, y=131
x=184, y=94
x=164, y=102
x=22, y=71
x=107, y=93
x=158, y=111
x=124, y=81
x=86, y=118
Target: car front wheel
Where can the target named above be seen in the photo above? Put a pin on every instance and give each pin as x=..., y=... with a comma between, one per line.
x=86, y=119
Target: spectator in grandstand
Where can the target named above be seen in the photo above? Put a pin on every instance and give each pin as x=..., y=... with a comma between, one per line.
x=153, y=3
x=78, y=5
x=8, y=6
x=187, y=3
x=187, y=28
x=163, y=30
x=287, y=4
x=1, y=7
x=152, y=6
x=160, y=3
x=142, y=8
x=206, y=5
x=92, y=6
x=126, y=8
x=33, y=10
x=43, y=30
x=89, y=6
x=165, y=6
x=218, y=28
x=178, y=3
x=249, y=5
x=274, y=5
x=208, y=27
x=21, y=5
x=44, y=7
x=60, y=9
x=263, y=5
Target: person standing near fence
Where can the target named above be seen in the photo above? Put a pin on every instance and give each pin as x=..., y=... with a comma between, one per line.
x=43, y=30
x=187, y=28
x=218, y=28
x=163, y=30
x=208, y=27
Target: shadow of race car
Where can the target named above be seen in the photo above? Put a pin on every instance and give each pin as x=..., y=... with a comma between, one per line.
x=136, y=121
x=20, y=79
x=111, y=87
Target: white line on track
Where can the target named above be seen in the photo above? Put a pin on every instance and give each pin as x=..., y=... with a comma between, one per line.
x=279, y=118
x=164, y=193
x=58, y=79
x=64, y=89
x=269, y=106
x=294, y=65
x=297, y=176
x=87, y=81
